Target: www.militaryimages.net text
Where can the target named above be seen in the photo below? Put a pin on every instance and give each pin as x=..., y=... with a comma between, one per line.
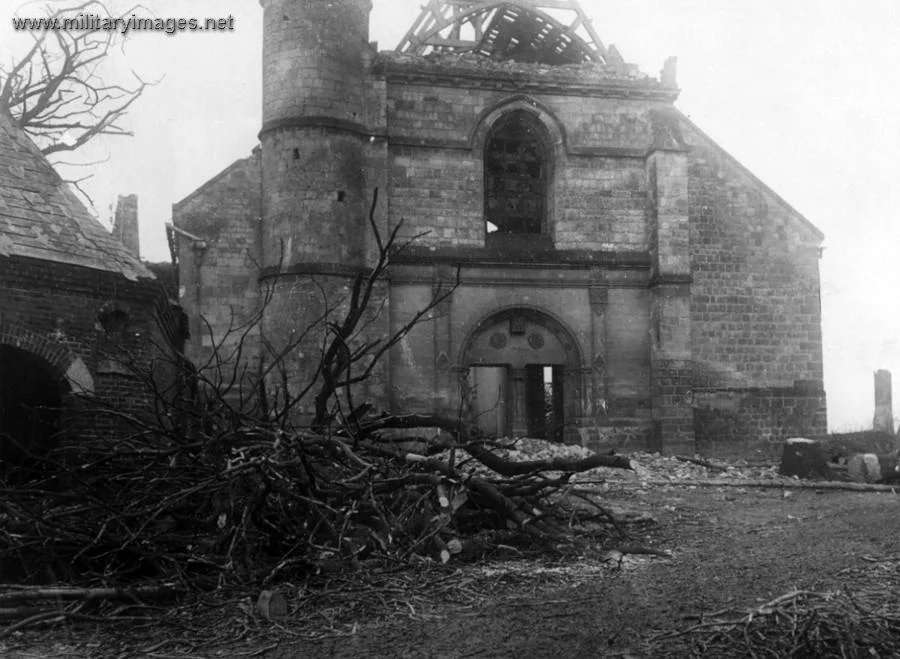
x=134, y=23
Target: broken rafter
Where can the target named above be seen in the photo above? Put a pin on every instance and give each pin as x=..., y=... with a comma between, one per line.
x=511, y=29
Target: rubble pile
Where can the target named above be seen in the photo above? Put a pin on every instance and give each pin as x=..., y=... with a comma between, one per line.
x=646, y=467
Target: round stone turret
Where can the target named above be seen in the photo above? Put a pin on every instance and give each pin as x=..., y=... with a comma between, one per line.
x=313, y=53
x=315, y=192
x=313, y=134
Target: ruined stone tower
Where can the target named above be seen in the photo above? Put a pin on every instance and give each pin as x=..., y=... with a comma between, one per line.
x=314, y=183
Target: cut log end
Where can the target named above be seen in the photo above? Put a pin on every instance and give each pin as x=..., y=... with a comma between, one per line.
x=271, y=605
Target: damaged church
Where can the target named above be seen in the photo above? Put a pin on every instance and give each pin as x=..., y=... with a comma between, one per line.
x=623, y=281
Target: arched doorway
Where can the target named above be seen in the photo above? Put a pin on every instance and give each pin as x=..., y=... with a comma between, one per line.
x=522, y=370
x=30, y=404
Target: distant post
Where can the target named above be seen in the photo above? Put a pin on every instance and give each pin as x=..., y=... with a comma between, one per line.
x=884, y=407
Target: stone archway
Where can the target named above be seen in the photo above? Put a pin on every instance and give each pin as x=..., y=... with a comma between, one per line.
x=520, y=375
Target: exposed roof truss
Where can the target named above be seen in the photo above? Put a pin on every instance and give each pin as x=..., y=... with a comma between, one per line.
x=544, y=31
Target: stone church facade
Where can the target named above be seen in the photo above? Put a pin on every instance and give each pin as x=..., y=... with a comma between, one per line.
x=623, y=281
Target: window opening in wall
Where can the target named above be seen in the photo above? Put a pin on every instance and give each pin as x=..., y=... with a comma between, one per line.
x=114, y=322
x=515, y=167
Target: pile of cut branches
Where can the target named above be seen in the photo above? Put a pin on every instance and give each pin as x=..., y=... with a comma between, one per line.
x=798, y=624
x=221, y=480
x=273, y=504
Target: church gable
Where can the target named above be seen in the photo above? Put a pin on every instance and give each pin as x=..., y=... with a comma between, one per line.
x=751, y=198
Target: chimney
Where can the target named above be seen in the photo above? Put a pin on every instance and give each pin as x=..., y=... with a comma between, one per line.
x=884, y=407
x=125, y=224
x=669, y=74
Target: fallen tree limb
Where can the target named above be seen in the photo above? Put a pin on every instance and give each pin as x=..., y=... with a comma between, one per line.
x=31, y=594
x=785, y=484
x=513, y=468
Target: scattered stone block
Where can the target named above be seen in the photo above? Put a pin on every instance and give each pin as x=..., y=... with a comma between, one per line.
x=873, y=468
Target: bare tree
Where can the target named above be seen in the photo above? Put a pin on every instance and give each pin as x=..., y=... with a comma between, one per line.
x=57, y=92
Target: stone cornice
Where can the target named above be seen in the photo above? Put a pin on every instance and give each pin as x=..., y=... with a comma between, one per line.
x=305, y=269
x=523, y=257
x=671, y=280
x=322, y=122
x=555, y=80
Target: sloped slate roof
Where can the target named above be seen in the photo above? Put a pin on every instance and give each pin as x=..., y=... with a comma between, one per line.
x=41, y=218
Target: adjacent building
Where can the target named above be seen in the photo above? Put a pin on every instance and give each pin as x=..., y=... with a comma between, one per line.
x=73, y=302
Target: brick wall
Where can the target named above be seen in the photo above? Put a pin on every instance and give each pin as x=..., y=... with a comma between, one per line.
x=56, y=312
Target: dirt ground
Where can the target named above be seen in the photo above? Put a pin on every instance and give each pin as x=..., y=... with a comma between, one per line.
x=731, y=547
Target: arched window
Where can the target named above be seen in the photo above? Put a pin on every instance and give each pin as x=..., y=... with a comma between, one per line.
x=516, y=168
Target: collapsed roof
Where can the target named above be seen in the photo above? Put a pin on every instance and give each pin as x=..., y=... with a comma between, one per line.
x=551, y=32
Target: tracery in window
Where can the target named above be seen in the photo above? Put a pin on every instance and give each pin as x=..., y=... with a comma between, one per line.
x=515, y=176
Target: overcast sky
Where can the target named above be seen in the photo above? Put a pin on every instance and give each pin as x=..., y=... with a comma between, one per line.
x=799, y=91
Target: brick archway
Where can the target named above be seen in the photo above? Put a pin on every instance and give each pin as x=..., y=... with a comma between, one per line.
x=69, y=369
x=34, y=386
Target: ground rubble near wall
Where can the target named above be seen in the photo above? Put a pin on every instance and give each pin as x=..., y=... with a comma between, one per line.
x=652, y=470
x=647, y=467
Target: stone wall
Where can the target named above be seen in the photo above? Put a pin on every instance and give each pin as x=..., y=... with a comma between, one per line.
x=755, y=295
x=755, y=311
x=427, y=364
x=675, y=270
x=597, y=187
x=752, y=423
x=218, y=275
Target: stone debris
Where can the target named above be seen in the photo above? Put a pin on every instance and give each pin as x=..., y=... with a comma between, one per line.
x=646, y=466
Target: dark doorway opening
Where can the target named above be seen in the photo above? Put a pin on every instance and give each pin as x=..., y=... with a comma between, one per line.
x=544, y=401
x=488, y=385
x=30, y=400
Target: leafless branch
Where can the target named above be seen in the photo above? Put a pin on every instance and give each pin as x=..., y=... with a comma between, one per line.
x=58, y=92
